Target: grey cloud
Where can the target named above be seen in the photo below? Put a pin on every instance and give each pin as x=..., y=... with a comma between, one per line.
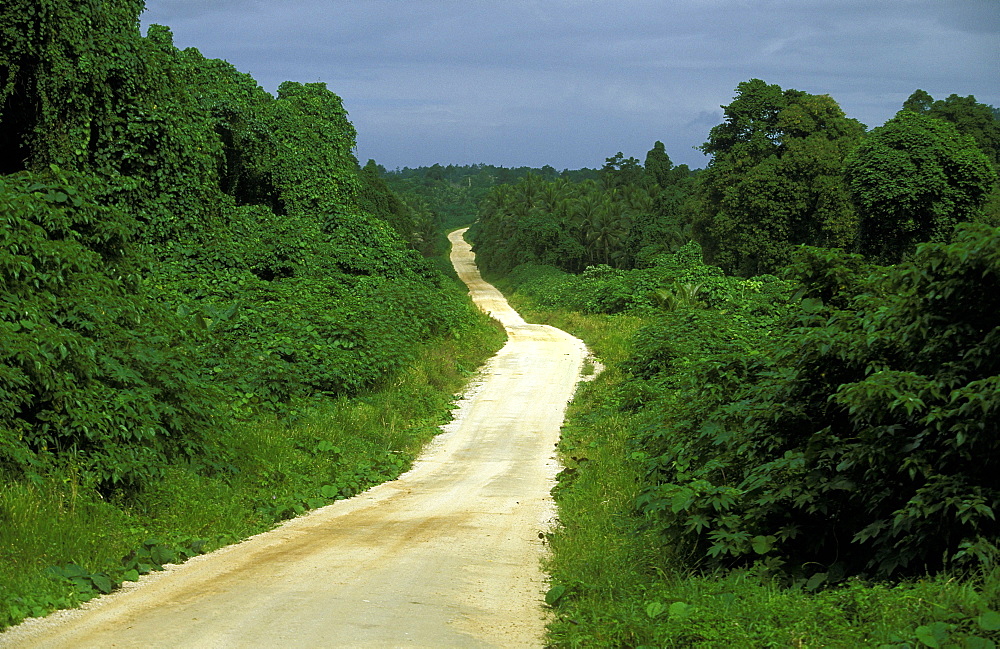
x=569, y=83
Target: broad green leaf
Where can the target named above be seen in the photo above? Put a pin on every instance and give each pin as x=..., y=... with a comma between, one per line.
x=762, y=544
x=72, y=570
x=161, y=554
x=989, y=621
x=816, y=581
x=926, y=636
x=82, y=583
x=680, y=610
x=655, y=609
x=554, y=594
x=102, y=582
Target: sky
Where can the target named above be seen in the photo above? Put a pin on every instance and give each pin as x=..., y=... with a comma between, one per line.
x=570, y=83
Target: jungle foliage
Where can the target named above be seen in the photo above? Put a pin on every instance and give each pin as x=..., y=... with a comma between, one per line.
x=176, y=240
x=826, y=422
x=813, y=444
x=623, y=219
x=848, y=440
x=788, y=168
x=447, y=197
x=814, y=431
x=913, y=179
x=776, y=178
x=190, y=268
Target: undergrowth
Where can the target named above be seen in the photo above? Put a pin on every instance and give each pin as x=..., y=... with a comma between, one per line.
x=62, y=543
x=614, y=584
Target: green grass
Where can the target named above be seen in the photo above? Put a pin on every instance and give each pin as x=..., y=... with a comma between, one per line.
x=334, y=449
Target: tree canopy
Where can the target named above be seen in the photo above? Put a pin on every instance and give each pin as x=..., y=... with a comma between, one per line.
x=968, y=116
x=913, y=179
x=776, y=178
x=624, y=221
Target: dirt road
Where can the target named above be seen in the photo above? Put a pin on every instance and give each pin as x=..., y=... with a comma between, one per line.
x=445, y=556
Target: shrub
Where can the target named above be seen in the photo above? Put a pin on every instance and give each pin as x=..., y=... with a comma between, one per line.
x=855, y=443
x=91, y=368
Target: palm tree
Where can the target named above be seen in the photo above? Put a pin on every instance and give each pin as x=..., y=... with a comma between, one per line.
x=606, y=231
x=528, y=190
x=585, y=214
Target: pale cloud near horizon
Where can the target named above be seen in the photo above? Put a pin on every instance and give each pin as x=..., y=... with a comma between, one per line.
x=569, y=83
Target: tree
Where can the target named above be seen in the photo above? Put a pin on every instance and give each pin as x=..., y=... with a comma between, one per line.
x=376, y=198
x=969, y=117
x=315, y=169
x=913, y=179
x=619, y=171
x=436, y=172
x=919, y=102
x=658, y=165
x=605, y=231
x=143, y=177
x=776, y=178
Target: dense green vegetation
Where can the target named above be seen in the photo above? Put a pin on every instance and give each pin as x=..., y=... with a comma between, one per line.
x=790, y=459
x=211, y=318
x=448, y=197
x=776, y=178
x=623, y=219
x=788, y=169
x=727, y=481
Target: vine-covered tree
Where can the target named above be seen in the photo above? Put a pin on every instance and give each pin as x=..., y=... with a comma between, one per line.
x=174, y=239
x=658, y=166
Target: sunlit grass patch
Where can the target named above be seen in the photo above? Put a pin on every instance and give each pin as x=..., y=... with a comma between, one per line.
x=56, y=523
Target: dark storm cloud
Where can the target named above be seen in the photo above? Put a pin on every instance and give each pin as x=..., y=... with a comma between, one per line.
x=570, y=83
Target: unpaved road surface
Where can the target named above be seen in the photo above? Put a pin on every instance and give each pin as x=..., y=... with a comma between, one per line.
x=445, y=556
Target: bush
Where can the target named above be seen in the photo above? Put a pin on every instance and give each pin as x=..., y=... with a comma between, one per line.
x=855, y=442
x=91, y=368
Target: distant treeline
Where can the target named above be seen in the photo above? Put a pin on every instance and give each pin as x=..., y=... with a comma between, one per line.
x=788, y=168
x=486, y=174
x=449, y=196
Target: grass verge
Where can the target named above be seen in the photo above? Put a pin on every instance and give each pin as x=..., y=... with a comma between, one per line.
x=615, y=585
x=62, y=544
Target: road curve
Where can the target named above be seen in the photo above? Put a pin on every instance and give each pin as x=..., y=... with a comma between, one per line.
x=445, y=556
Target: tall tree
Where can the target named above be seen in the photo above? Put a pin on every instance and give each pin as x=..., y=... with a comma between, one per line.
x=619, y=171
x=776, y=178
x=968, y=115
x=913, y=179
x=919, y=102
x=376, y=198
x=971, y=118
x=658, y=165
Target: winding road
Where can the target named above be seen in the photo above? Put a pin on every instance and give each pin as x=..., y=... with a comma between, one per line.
x=448, y=555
